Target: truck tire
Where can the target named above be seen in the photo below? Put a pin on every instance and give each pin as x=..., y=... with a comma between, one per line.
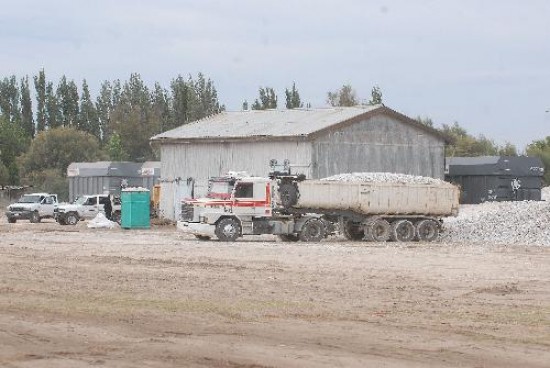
x=71, y=218
x=312, y=231
x=289, y=237
x=12, y=220
x=228, y=229
x=288, y=194
x=61, y=220
x=402, y=231
x=35, y=217
x=378, y=230
x=352, y=231
x=427, y=230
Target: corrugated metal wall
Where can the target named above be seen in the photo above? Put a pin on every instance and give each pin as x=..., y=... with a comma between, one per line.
x=379, y=144
x=204, y=160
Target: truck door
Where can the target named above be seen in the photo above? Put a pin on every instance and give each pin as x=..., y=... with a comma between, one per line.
x=47, y=206
x=91, y=207
x=251, y=198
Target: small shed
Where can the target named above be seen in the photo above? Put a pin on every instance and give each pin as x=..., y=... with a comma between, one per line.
x=110, y=176
x=496, y=178
x=317, y=142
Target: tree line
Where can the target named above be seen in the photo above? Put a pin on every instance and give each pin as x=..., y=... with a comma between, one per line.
x=44, y=126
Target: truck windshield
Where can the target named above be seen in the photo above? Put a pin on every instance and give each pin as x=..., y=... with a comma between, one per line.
x=30, y=199
x=80, y=200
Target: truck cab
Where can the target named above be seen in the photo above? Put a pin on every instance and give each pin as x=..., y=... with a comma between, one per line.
x=249, y=209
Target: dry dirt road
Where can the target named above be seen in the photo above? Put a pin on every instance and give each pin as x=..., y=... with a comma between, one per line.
x=77, y=297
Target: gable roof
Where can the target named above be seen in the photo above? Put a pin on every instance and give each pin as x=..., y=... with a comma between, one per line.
x=273, y=124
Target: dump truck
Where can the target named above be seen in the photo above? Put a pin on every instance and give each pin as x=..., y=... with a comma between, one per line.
x=309, y=210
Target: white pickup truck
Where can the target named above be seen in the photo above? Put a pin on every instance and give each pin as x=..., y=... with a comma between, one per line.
x=85, y=208
x=33, y=207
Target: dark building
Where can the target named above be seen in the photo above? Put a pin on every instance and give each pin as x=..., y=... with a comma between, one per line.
x=496, y=178
x=110, y=176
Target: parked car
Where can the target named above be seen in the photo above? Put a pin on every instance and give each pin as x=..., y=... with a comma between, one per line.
x=85, y=208
x=33, y=207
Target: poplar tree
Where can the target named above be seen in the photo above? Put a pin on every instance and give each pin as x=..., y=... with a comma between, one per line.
x=53, y=114
x=9, y=100
x=40, y=88
x=268, y=99
x=293, y=98
x=376, y=96
x=104, y=107
x=88, y=117
x=27, y=118
x=67, y=95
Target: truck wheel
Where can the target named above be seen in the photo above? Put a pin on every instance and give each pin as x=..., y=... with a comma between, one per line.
x=289, y=237
x=71, y=218
x=288, y=194
x=312, y=231
x=12, y=220
x=35, y=217
x=352, y=231
x=228, y=229
x=378, y=230
x=61, y=220
x=402, y=231
x=427, y=230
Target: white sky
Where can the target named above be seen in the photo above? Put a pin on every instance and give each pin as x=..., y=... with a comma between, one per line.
x=483, y=63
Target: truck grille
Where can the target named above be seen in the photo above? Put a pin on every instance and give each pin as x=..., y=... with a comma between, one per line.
x=18, y=209
x=187, y=212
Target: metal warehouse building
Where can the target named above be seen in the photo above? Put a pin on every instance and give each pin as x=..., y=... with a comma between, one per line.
x=107, y=176
x=318, y=143
x=496, y=178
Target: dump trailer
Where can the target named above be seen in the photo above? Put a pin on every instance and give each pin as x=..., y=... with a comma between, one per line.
x=309, y=210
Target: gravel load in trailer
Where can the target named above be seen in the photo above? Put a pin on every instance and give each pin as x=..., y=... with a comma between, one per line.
x=380, y=194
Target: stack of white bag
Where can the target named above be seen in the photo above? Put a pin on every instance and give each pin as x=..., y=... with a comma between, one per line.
x=101, y=222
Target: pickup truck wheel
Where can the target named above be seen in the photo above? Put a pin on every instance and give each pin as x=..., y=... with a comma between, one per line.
x=35, y=217
x=312, y=231
x=378, y=230
x=427, y=230
x=61, y=220
x=228, y=229
x=289, y=237
x=402, y=231
x=12, y=220
x=71, y=218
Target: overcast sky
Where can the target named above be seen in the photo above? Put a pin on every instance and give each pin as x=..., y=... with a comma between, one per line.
x=485, y=64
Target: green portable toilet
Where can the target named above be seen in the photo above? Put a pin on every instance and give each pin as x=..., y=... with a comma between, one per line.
x=135, y=211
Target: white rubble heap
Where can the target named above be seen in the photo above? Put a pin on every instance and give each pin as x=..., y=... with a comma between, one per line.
x=384, y=177
x=500, y=223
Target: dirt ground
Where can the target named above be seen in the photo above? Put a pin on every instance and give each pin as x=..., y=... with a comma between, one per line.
x=78, y=297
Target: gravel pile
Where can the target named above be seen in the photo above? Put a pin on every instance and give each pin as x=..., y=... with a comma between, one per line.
x=500, y=223
x=384, y=177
